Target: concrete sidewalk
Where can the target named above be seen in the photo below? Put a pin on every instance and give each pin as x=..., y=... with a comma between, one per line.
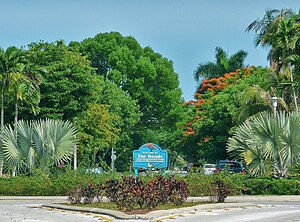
x=230, y=202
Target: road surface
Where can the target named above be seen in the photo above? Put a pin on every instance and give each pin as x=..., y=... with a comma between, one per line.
x=264, y=212
x=31, y=211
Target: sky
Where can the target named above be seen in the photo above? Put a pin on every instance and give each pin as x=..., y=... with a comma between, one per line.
x=184, y=31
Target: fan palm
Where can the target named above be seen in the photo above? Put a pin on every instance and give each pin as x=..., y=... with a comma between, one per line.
x=266, y=142
x=38, y=143
x=223, y=64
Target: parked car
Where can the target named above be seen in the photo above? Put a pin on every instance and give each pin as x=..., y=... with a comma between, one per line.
x=192, y=167
x=209, y=168
x=231, y=166
x=97, y=170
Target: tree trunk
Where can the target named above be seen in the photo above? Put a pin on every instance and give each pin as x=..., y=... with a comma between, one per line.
x=75, y=157
x=14, y=171
x=16, y=117
x=2, y=109
x=2, y=128
x=294, y=91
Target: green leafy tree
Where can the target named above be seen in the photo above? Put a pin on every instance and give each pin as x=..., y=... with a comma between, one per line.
x=122, y=105
x=144, y=75
x=97, y=133
x=222, y=65
x=268, y=144
x=212, y=117
x=67, y=87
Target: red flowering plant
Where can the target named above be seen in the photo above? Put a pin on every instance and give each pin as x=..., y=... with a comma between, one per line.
x=198, y=109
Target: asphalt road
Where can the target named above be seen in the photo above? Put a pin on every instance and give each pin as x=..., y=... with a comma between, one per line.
x=31, y=211
x=264, y=212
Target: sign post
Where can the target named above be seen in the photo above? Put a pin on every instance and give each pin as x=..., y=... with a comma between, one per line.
x=149, y=156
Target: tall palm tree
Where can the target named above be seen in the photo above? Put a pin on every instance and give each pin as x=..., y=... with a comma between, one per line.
x=223, y=64
x=268, y=25
x=268, y=143
x=8, y=61
x=278, y=31
x=24, y=85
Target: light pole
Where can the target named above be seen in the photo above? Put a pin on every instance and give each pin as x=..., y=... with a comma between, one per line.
x=274, y=101
x=113, y=158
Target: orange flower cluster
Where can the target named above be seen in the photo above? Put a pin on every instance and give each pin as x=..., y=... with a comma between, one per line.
x=213, y=85
x=218, y=84
x=189, y=131
x=190, y=102
x=206, y=139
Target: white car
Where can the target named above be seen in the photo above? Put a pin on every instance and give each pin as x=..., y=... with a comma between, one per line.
x=209, y=168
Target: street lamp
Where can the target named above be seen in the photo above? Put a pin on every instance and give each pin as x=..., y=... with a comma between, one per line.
x=274, y=101
x=113, y=158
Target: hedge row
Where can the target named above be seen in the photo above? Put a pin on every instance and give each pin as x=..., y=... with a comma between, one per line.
x=198, y=184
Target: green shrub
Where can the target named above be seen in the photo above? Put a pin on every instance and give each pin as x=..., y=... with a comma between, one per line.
x=61, y=183
x=200, y=184
x=273, y=186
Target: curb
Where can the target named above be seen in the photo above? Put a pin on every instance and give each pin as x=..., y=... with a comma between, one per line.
x=153, y=214
x=112, y=213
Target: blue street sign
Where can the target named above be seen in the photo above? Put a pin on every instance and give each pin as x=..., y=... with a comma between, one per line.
x=150, y=156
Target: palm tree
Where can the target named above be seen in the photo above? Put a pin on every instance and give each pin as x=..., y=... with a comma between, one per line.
x=223, y=64
x=24, y=85
x=38, y=143
x=268, y=143
x=255, y=99
x=268, y=25
x=8, y=61
x=279, y=30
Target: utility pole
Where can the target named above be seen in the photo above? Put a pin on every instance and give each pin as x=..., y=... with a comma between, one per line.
x=274, y=103
x=75, y=157
x=113, y=158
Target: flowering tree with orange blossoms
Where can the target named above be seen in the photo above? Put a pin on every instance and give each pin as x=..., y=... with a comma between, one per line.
x=210, y=117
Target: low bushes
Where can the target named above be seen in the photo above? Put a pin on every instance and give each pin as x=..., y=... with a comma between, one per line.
x=61, y=183
x=201, y=185
x=128, y=192
x=45, y=184
x=273, y=186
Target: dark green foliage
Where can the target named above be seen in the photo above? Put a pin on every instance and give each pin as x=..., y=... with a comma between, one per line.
x=273, y=186
x=223, y=64
x=201, y=185
x=144, y=75
x=67, y=86
x=175, y=190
